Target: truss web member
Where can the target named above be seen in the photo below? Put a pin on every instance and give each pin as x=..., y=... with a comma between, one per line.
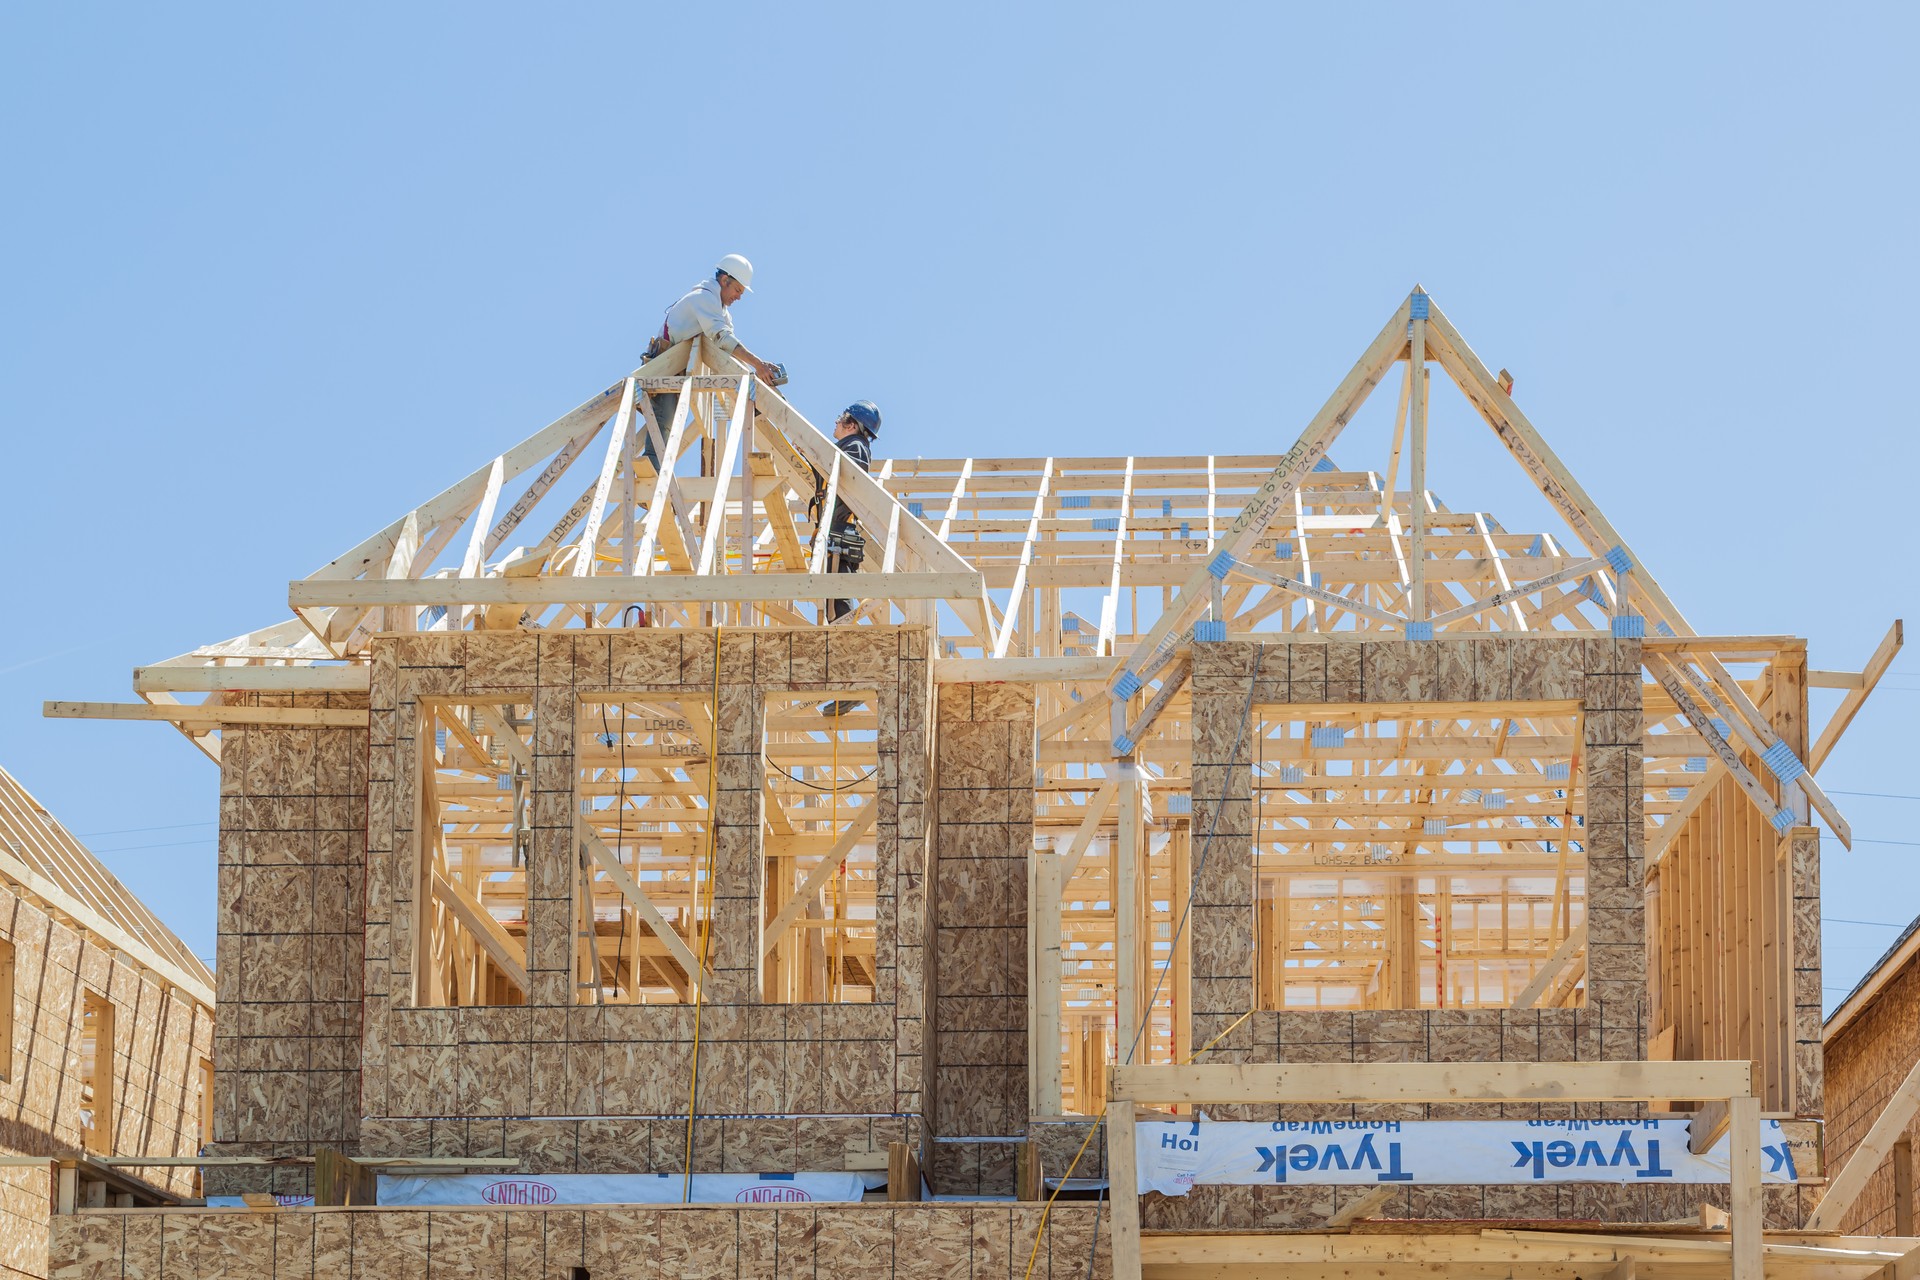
x=705, y=311
x=855, y=431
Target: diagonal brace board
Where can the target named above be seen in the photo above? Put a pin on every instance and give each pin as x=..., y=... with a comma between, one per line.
x=829, y=863
x=499, y=945
x=1682, y=694
x=1888, y=1127
x=1254, y=518
x=1754, y=729
x=1562, y=956
x=1500, y=599
x=1321, y=594
x=643, y=906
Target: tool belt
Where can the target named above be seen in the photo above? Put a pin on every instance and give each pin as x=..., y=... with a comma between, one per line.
x=847, y=544
x=659, y=344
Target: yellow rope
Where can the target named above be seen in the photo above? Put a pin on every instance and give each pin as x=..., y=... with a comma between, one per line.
x=1095, y=1128
x=706, y=932
x=1040, y=1232
x=839, y=879
x=1101, y=1122
x=1217, y=1039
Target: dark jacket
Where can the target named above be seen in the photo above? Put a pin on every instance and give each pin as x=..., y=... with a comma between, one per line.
x=860, y=449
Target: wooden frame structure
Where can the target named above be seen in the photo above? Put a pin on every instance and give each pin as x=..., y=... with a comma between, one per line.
x=1391, y=764
x=1086, y=578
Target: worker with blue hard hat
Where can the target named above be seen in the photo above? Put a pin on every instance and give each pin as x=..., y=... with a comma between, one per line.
x=854, y=432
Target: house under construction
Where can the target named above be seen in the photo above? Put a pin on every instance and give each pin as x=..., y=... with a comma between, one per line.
x=106, y=1027
x=1259, y=793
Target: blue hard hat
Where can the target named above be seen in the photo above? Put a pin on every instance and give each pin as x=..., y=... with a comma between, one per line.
x=865, y=414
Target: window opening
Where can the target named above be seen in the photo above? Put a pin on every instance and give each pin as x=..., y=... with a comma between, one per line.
x=1412, y=859
x=6, y=1010
x=820, y=892
x=1087, y=911
x=476, y=800
x=206, y=1102
x=96, y=1073
x=643, y=831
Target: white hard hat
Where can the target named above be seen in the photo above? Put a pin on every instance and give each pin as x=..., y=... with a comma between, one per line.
x=739, y=268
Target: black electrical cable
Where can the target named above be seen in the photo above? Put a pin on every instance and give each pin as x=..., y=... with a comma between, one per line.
x=619, y=844
x=851, y=782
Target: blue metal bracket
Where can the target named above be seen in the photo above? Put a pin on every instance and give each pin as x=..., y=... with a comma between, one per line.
x=1786, y=766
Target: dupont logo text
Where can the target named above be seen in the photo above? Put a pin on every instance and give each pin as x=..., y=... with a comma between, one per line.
x=519, y=1193
x=770, y=1195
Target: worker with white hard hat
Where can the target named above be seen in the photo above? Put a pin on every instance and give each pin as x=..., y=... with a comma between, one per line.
x=704, y=312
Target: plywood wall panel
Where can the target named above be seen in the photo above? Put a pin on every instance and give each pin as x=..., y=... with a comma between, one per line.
x=814, y=1242
x=983, y=831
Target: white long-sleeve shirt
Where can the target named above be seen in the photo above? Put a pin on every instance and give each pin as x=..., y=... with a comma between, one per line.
x=700, y=314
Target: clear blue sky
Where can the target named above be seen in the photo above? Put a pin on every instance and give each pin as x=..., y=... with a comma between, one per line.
x=275, y=273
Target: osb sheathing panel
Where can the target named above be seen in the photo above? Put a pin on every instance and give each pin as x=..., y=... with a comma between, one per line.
x=1865, y=1061
x=554, y=1058
x=160, y=1037
x=883, y=1242
x=983, y=804
x=292, y=895
x=1809, y=1055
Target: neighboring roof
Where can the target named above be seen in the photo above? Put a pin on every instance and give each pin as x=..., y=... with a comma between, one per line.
x=43, y=858
x=1898, y=956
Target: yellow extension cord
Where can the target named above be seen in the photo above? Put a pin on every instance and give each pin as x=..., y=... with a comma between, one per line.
x=1099, y=1124
x=706, y=933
